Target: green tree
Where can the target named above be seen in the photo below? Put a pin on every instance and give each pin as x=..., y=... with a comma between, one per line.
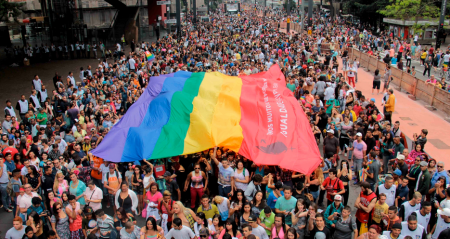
x=366, y=10
x=293, y=4
x=412, y=10
x=9, y=8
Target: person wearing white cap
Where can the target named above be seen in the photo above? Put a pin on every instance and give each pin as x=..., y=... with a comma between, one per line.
x=332, y=211
x=329, y=92
x=330, y=144
x=359, y=150
x=442, y=224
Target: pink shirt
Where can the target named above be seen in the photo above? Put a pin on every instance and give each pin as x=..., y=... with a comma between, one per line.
x=155, y=197
x=25, y=200
x=96, y=194
x=358, y=149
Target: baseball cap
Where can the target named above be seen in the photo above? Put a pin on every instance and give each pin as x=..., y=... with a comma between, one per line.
x=359, y=134
x=373, y=99
x=401, y=156
x=251, y=218
x=445, y=212
x=204, y=232
x=423, y=163
x=330, y=131
x=338, y=197
x=88, y=210
x=167, y=174
x=112, y=165
x=398, y=172
x=86, y=137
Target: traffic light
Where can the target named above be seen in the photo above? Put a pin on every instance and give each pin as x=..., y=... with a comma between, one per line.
x=440, y=31
x=310, y=22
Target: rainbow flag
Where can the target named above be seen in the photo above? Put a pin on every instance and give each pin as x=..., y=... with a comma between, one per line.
x=183, y=113
x=150, y=56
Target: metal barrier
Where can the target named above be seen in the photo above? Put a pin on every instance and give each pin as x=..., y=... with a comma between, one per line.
x=435, y=97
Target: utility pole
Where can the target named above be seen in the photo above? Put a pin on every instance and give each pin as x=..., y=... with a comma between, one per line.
x=288, y=16
x=265, y=7
x=195, y=11
x=302, y=16
x=310, y=7
x=178, y=12
x=441, y=24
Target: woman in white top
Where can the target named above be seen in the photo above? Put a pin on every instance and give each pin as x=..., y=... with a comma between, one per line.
x=202, y=222
x=222, y=204
x=241, y=176
x=148, y=178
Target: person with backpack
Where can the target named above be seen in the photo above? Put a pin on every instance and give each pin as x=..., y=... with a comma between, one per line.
x=332, y=185
x=241, y=176
x=332, y=212
x=4, y=181
x=112, y=183
x=253, y=187
x=13, y=188
x=345, y=225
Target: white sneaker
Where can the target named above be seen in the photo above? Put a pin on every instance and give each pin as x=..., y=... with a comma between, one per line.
x=345, y=154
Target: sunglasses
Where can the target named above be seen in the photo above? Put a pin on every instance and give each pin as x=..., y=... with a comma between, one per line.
x=203, y=236
x=196, y=168
x=58, y=208
x=440, y=166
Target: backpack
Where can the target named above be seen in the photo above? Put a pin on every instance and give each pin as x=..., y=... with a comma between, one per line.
x=10, y=190
x=243, y=171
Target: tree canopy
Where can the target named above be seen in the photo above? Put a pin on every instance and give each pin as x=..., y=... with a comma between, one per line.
x=9, y=8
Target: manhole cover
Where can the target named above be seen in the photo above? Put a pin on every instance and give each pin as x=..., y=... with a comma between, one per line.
x=405, y=118
x=412, y=124
x=439, y=144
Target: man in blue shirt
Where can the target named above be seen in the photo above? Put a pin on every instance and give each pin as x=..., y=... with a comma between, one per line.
x=440, y=172
x=10, y=165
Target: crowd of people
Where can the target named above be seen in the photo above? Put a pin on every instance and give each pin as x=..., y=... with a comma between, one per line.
x=400, y=52
x=66, y=51
x=56, y=188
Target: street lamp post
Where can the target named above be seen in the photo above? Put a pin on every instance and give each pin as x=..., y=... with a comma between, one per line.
x=288, y=16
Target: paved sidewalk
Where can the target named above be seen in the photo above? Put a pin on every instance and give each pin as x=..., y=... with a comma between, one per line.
x=413, y=117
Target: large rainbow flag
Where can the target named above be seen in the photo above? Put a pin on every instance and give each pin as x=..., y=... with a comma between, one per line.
x=184, y=113
x=150, y=56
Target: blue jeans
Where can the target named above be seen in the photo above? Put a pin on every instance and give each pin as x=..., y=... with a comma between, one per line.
x=6, y=199
x=224, y=190
x=15, y=206
x=315, y=194
x=357, y=165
